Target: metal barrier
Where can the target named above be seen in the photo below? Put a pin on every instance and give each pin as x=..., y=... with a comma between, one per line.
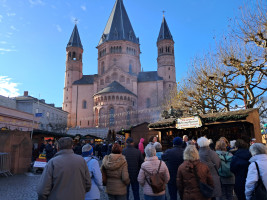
x=5, y=164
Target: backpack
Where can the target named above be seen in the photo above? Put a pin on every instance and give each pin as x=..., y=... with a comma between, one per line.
x=224, y=170
x=156, y=180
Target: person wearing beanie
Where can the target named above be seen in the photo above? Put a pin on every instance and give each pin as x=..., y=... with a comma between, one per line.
x=95, y=173
x=174, y=158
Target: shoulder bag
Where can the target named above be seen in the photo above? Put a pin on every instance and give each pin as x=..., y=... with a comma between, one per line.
x=205, y=189
x=260, y=190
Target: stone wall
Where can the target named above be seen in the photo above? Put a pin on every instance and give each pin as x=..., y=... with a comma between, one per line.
x=19, y=147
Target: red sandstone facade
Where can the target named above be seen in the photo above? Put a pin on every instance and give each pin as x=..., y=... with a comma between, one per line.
x=120, y=95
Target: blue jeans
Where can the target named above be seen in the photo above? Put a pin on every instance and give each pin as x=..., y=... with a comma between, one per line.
x=172, y=191
x=161, y=197
x=135, y=189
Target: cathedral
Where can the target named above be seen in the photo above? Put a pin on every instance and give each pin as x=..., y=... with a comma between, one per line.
x=120, y=95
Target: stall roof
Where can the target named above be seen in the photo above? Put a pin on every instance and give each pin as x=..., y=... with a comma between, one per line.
x=96, y=132
x=207, y=118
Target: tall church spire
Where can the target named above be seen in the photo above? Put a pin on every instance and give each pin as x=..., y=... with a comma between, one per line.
x=164, y=32
x=75, y=40
x=118, y=26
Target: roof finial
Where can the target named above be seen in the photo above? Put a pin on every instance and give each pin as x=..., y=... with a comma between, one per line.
x=163, y=13
x=76, y=21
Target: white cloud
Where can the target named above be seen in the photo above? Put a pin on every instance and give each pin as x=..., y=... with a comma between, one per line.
x=3, y=42
x=11, y=14
x=13, y=28
x=36, y=2
x=1, y=17
x=59, y=28
x=83, y=8
x=6, y=50
x=8, y=88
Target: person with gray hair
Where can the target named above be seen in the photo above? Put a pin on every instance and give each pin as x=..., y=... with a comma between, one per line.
x=95, y=173
x=258, y=160
x=186, y=181
x=210, y=158
x=151, y=165
x=64, y=167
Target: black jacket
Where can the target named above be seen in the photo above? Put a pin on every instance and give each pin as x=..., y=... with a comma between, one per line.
x=49, y=151
x=239, y=166
x=173, y=158
x=134, y=160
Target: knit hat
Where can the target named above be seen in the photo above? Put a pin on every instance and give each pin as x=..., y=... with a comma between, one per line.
x=129, y=140
x=87, y=150
x=177, y=141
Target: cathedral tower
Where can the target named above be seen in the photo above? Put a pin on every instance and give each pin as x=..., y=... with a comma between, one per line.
x=74, y=67
x=166, y=62
x=118, y=44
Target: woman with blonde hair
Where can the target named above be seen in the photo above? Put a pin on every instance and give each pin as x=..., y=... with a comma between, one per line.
x=186, y=181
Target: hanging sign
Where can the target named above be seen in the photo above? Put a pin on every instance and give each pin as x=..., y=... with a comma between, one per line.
x=188, y=122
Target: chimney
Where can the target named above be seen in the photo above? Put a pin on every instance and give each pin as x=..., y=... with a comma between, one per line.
x=26, y=93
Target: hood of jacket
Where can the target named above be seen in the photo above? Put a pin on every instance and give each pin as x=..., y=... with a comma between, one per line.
x=114, y=161
x=191, y=164
x=142, y=140
x=259, y=157
x=243, y=154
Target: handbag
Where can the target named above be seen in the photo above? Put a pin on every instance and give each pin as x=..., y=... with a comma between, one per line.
x=104, y=176
x=205, y=189
x=259, y=192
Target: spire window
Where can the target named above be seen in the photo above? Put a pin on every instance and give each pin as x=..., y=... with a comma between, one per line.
x=73, y=56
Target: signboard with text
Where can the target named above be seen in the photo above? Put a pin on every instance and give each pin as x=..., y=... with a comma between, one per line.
x=188, y=122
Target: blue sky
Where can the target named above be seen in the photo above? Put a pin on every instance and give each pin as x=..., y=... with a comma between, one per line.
x=34, y=35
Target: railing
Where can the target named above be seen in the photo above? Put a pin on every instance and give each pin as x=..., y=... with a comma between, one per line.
x=5, y=164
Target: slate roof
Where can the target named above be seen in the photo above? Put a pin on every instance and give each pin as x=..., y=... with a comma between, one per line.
x=148, y=76
x=115, y=87
x=86, y=79
x=118, y=26
x=164, y=32
x=75, y=40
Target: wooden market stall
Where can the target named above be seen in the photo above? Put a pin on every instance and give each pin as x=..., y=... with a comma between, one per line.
x=243, y=124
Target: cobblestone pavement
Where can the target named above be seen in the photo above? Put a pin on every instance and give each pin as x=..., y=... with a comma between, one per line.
x=23, y=187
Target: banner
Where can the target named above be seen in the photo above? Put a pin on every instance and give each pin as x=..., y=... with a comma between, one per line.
x=189, y=122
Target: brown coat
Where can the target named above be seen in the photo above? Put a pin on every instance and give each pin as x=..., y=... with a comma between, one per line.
x=187, y=183
x=116, y=169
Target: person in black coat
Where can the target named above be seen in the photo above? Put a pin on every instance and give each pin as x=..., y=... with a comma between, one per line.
x=50, y=150
x=134, y=160
x=173, y=158
x=239, y=166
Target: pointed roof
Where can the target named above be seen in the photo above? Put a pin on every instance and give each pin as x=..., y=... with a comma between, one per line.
x=115, y=87
x=75, y=40
x=118, y=26
x=164, y=33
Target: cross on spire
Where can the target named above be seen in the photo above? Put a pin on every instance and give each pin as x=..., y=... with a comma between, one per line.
x=163, y=12
x=76, y=21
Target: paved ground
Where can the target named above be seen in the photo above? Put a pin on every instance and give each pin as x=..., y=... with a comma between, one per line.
x=23, y=187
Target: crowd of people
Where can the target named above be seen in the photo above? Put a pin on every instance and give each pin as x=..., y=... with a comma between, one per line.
x=195, y=169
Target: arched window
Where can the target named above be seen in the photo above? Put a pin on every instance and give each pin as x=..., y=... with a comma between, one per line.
x=107, y=79
x=130, y=68
x=128, y=117
x=148, y=103
x=69, y=55
x=122, y=79
x=73, y=56
x=111, y=117
x=102, y=67
x=84, y=104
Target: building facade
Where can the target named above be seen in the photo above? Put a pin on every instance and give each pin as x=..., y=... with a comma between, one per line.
x=50, y=118
x=120, y=95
